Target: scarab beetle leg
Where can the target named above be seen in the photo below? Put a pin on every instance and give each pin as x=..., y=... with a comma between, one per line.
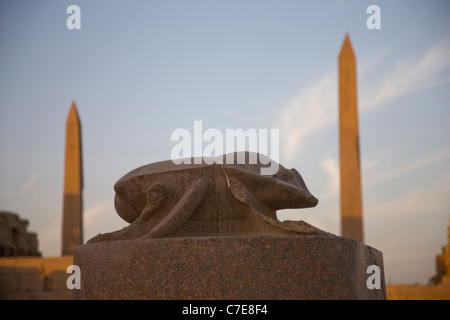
x=181, y=212
x=156, y=197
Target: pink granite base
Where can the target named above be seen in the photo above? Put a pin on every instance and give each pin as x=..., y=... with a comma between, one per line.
x=256, y=267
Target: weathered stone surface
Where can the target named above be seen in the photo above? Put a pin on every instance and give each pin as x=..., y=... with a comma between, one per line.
x=167, y=200
x=247, y=267
x=210, y=231
x=34, y=278
x=15, y=240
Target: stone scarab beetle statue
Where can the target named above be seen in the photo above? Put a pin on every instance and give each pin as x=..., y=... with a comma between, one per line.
x=164, y=199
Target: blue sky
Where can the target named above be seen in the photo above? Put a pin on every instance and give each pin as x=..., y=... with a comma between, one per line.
x=138, y=70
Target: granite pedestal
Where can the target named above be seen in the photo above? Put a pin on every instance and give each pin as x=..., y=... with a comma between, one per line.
x=239, y=267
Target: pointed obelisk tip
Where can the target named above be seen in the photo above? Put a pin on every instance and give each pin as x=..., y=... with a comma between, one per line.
x=347, y=45
x=347, y=48
x=73, y=112
x=73, y=107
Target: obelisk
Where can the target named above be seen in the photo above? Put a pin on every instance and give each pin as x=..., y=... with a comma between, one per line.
x=72, y=234
x=351, y=204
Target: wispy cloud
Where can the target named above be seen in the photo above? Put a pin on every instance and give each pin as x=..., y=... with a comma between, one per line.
x=411, y=75
x=421, y=199
x=315, y=107
x=23, y=190
x=375, y=177
x=331, y=166
x=312, y=109
x=29, y=183
x=94, y=212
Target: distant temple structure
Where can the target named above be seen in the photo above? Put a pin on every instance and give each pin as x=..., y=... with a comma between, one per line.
x=446, y=254
x=15, y=240
x=443, y=264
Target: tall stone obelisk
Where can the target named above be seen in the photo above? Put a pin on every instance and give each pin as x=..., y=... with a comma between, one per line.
x=351, y=204
x=72, y=227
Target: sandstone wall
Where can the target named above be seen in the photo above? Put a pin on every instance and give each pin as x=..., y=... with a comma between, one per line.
x=417, y=292
x=34, y=278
